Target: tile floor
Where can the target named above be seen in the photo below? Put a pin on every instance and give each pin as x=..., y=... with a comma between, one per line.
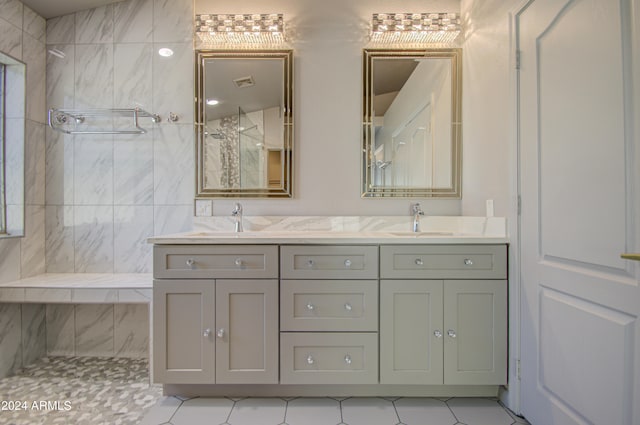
x=112, y=391
x=329, y=411
x=78, y=391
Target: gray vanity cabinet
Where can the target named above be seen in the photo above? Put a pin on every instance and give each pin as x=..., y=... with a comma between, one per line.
x=451, y=330
x=329, y=314
x=183, y=311
x=475, y=332
x=221, y=330
x=408, y=316
x=411, y=311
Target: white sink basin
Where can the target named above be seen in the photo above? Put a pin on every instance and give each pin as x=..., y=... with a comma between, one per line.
x=420, y=234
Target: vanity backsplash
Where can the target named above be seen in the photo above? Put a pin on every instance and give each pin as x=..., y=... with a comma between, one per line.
x=484, y=226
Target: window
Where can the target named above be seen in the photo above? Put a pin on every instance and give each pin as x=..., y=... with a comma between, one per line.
x=3, y=197
x=12, y=133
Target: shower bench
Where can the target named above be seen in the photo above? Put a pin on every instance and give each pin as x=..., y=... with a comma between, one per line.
x=79, y=288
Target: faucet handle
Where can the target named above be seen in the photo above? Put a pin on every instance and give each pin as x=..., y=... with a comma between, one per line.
x=415, y=209
x=237, y=209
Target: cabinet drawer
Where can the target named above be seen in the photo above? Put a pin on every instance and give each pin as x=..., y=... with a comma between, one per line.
x=215, y=261
x=329, y=305
x=443, y=261
x=329, y=262
x=329, y=358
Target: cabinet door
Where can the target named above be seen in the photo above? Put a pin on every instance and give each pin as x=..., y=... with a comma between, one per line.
x=475, y=332
x=411, y=332
x=183, y=322
x=246, y=331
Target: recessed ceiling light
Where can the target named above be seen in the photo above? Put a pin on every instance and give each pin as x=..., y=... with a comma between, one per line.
x=212, y=102
x=165, y=51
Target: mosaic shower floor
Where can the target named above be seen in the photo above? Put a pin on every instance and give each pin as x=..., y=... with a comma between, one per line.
x=78, y=390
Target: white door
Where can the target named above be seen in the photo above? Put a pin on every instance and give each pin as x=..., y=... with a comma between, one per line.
x=579, y=125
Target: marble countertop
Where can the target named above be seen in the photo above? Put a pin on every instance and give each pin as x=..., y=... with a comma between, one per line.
x=344, y=230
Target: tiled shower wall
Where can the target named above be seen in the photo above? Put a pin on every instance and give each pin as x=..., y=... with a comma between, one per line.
x=22, y=327
x=104, y=195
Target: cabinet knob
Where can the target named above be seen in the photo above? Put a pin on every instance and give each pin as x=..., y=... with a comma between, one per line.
x=220, y=333
x=347, y=359
x=310, y=307
x=347, y=263
x=238, y=262
x=310, y=263
x=348, y=307
x=190, y=262
x=468, y=262
x=419, y=262
x=437, y=334
x=451, y=333
x=310, y=359
x=206, y=333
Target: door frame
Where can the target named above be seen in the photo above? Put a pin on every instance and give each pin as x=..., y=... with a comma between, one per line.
x=511, y=395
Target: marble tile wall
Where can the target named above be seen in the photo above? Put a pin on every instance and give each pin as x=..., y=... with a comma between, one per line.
x=22, y=327
x=104, y=330
x=105, y=195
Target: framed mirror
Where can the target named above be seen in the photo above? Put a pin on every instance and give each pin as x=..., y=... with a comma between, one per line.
x=412, y=107
x=244, y=123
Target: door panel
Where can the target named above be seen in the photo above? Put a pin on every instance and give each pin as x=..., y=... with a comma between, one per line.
x=598, y=341
x=183, y=349
x=246, y=331
x=578, y=185
x=410, y=314
x=475, y=332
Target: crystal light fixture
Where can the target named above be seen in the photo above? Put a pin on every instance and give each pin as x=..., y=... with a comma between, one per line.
x=240, y=28
x=415, y=27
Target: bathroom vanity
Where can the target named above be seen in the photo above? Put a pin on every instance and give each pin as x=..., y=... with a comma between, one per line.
x=316, y=313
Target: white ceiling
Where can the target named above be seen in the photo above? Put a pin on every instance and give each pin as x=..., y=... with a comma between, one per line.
x=52, y=8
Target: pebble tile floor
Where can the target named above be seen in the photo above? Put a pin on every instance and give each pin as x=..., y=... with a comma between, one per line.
x=110, y=391
x=79, y=390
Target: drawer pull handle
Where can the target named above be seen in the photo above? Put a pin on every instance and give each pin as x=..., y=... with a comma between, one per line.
x=190, y=262
x=437, y=334
x=310, y=307
x=238, y=262
x=347, y=359
x=347, y=263
x=220, y=333
x=310, y=263
x=348, y=307
x=419, y=262
x=206, y=333
x=310, y=359
x=468, y=262
x=451, y=333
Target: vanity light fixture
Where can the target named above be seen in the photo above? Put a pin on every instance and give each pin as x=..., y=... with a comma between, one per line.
x=212, y=102
x=394, y=28
x=251, y=29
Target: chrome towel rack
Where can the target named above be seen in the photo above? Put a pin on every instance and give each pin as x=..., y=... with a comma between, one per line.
x=68, y=120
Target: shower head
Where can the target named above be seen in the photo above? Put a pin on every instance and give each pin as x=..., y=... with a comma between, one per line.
x=217, y=134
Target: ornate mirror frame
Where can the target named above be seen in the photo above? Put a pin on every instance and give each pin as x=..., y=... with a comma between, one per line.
x=279, y=187
x=368, y=162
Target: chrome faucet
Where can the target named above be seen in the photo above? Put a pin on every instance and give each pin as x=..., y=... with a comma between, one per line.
x=237, y=215
x=417, y=212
